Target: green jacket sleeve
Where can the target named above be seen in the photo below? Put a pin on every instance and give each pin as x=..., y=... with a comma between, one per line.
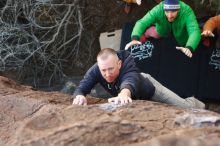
x=145, y=22
x=193, y=30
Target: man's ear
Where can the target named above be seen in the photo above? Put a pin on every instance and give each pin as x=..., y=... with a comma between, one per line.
x=119, y=64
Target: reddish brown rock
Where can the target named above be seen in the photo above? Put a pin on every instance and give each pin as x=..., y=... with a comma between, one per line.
x=37, y=118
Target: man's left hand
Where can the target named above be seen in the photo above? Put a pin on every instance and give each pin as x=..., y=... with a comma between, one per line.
x=120, y=100
x=186, y=51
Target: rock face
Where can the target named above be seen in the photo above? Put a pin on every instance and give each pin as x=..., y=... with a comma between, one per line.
x=37, y=118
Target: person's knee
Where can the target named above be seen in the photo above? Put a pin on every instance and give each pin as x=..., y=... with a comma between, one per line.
x=152, y=32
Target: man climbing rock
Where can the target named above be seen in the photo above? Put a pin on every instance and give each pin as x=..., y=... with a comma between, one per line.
x=117, y=73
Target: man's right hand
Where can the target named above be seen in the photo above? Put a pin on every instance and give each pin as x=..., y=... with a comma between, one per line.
x=133, y=42
x=80, y=100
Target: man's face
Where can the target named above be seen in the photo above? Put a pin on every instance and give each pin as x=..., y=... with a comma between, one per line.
x=171, y=15
x=109, y=68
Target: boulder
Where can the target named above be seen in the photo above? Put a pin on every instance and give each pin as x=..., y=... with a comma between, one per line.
x=36, y=118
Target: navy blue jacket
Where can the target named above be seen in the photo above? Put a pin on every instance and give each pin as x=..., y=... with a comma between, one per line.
x=129, y=78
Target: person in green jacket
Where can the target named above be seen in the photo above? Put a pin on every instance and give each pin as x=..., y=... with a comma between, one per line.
x=169, y=17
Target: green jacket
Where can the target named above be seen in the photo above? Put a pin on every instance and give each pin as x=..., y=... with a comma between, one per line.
x=185, y=27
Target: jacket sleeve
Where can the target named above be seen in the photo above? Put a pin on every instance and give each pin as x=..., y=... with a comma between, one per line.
x=131, y=82
x=212, y=23
x=88, y=82
x=142, y=24
x=192, y=29
x=129, y=76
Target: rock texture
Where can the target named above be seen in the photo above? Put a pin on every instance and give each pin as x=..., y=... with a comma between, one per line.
x=37, y=118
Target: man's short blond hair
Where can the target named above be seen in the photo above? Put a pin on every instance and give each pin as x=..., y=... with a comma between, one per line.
x=105, y=53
